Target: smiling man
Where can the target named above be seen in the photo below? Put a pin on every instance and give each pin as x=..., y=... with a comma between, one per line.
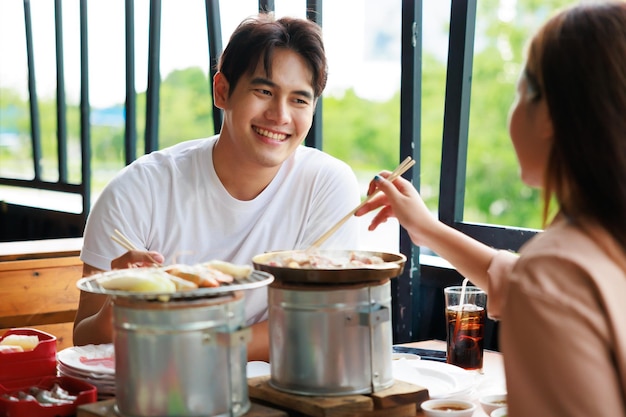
x=250, y=189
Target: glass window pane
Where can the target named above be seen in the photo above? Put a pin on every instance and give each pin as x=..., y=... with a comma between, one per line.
x=15, y=138
x=494, y=192
x=436, y=26
x=361, y=107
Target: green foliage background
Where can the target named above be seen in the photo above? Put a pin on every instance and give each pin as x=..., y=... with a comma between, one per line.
x=363, y=133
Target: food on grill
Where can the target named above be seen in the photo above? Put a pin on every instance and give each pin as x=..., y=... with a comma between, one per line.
x=236, y=271
x=313, y=260
x=138, y=280
x=201, y=275
x=173, y=278
x=182, y=284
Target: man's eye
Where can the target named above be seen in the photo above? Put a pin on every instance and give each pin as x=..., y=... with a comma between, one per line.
x=264, y=92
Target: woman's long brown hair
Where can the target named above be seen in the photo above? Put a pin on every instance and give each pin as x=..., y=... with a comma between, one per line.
x=577, y=61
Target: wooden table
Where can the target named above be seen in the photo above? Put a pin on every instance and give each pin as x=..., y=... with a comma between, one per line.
x=42, y=248
x=38, y=281
x=490, y=381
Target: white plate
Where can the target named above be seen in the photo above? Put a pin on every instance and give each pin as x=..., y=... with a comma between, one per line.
x=77, y=373
x=95, y=359
x=404, y=356
x=441, y=379
x=257, y=368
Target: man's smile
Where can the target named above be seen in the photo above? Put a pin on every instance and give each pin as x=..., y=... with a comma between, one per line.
x=272, y=135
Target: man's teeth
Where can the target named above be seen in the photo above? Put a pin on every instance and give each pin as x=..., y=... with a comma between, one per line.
x=271, y=135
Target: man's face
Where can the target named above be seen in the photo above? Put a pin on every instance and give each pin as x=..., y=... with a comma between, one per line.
x=267, y=118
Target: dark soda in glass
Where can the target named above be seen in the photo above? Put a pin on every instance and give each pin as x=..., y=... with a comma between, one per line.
x=465, y=338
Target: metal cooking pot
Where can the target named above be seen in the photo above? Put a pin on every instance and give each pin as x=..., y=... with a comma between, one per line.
x=330, y=340
x=330, y=328
x=393, y=267
x=180, y=354
x=181, y=358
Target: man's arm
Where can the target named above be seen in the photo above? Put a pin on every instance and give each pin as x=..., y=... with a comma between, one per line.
x=93, y=321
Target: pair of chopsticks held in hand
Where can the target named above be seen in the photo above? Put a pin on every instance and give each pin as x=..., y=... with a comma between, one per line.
x=400, y=169
x=123, y=241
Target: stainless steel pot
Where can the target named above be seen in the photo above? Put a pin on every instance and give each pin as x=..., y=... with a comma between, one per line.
x=181, y=358
x=330, y=328
x=181, y=354
x=330, y=340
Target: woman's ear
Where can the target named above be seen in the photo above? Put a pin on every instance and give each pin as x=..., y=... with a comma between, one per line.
x=221, y=89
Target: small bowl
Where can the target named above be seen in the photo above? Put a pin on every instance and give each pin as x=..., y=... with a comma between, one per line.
x=492, y=402
x=499, y=412
x=448, y=408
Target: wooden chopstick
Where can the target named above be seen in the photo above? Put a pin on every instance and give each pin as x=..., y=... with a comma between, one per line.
x=123, y=240
x=122, y=243
x=127, y=244
x=400, y=169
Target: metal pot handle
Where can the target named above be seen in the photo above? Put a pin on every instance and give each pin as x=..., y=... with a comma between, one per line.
x=375, y=316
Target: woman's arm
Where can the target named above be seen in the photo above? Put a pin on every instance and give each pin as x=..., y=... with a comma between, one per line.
x=400, y=199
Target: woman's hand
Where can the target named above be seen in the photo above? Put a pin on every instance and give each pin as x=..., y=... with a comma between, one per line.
x=401, y=200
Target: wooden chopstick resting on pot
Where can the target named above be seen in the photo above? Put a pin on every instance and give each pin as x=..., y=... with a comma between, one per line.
x=401, y=169
x=127, y=244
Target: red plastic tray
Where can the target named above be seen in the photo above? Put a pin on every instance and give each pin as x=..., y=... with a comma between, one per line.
x=17, y=368
x=85, y=393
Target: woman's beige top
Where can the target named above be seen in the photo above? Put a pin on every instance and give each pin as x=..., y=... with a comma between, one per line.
x=562, y=304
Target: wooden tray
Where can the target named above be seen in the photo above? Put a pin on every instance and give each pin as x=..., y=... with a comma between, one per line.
x=400, y=400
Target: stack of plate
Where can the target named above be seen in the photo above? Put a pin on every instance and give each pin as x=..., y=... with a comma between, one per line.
x=94, y=364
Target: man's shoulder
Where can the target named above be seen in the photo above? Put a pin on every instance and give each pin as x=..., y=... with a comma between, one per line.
x=317, y=159
x=175, y=153
x=199, y=143
x=182, y=149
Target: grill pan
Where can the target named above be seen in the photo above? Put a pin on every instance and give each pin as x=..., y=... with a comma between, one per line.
x=255, y=280
x=393, y=267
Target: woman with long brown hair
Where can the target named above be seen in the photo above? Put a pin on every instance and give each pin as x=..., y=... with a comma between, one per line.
x=562, y=300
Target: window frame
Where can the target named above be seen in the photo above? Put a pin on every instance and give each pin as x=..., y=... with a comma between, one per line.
x=424, y=275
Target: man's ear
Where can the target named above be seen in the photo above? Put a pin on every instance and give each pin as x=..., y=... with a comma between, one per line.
x=221, y=88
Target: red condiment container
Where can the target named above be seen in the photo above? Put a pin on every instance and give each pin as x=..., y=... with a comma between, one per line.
x=85, y=393
x=28, y=368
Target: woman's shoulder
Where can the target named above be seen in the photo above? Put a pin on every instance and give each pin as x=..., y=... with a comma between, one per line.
x=573, y=240
x=561, y=237
x=585, y=250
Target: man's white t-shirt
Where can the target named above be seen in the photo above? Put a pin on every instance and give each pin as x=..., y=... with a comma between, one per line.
x=172, y=201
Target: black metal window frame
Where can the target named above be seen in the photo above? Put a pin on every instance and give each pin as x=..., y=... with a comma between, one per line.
x=455, y=134
x=422, y=292
x=424, y=276
x=62, y=184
